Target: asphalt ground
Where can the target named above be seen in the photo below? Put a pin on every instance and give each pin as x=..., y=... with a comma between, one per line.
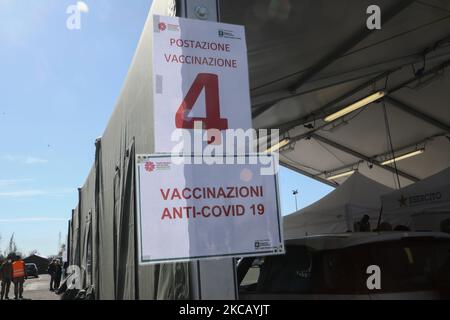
x=37, y=289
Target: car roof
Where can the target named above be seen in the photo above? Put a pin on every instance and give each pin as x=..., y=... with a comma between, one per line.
x=345, y=240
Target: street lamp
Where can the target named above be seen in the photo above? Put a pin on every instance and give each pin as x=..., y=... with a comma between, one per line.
x=295, y=193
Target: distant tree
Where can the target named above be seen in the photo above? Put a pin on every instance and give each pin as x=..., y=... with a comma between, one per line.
x=12, y=246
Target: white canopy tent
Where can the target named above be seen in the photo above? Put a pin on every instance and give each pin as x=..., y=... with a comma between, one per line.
x=300, y=73
x=338, y=211
x=421, y=206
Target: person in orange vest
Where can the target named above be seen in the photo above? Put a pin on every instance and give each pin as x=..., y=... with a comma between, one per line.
x=18, y=267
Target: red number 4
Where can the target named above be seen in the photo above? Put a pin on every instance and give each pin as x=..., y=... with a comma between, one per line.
x=209, y=82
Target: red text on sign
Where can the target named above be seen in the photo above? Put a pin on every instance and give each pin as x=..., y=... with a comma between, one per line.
x=210, y=83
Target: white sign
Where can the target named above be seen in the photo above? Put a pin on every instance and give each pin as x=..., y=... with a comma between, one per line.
x=199, y=211
x=200, y=77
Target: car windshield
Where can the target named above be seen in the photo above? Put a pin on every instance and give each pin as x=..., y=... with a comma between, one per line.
x=290, y=273
x=407, y=265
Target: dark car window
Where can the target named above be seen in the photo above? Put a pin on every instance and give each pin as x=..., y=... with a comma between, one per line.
x=406, y=265
x=290, y=273
x=413, y=265
x=342, y=271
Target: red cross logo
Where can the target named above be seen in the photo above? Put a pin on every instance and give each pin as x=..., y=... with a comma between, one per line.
x=150, y=166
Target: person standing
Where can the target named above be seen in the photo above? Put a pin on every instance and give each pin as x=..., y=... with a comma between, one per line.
x=6, y=277
x=52, y=272
x=58, y=274
x=18, y=270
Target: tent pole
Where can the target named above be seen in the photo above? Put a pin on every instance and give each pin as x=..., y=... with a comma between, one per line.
x=379, y=218
x=131, y=158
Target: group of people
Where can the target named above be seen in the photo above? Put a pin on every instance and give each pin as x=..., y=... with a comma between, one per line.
x=55, y=271
x=12, y=271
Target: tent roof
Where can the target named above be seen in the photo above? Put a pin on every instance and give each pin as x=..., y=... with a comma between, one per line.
x=399, y=199
x=358, y=191
x=36, y=256
x=310, y=58
x=438, y=180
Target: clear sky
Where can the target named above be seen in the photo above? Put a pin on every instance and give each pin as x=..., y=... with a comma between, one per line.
x=57, y=90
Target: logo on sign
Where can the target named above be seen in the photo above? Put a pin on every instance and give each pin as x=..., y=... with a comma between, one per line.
x=150, y=167
x=162, y=26
x=262, y=245
x=157, y=166
x=227, y=34
x=419, y=199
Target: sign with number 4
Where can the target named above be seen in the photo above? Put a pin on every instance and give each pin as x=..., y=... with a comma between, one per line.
x=200, y=77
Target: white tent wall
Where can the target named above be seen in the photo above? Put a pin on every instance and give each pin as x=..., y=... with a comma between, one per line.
x=69, y=241
x=421, y=206
x=75, y=250
x=72, y=239
x=87, y=213
x=340, y=219
x=107, y=200
x=338, y=211
x=131, y=124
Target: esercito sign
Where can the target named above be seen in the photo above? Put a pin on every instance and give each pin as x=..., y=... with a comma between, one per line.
x=200, y=74
x=199, y=211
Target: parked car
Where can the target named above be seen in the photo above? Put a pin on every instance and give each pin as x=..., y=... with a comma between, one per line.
x=412, y=266
x=31, y=270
